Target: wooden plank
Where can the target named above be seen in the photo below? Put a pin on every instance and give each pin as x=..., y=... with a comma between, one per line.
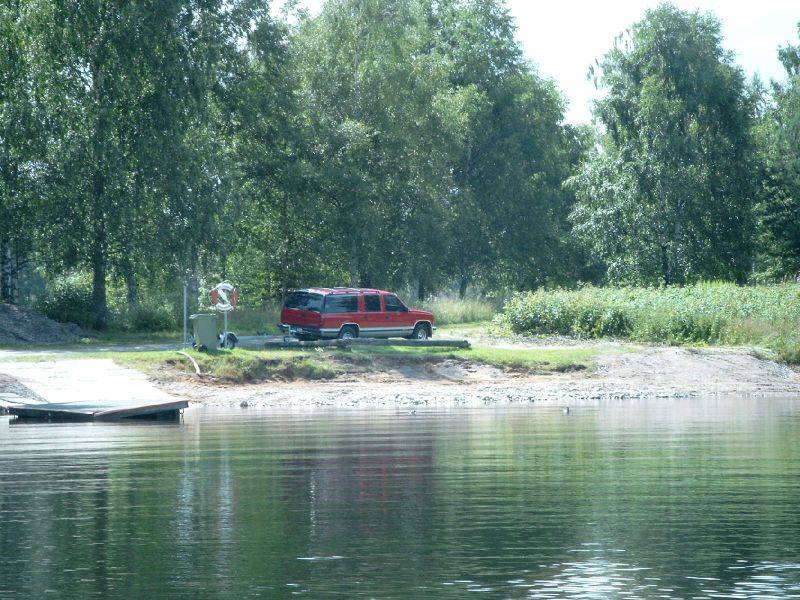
x=49, y=414
x=56, y=412
x=346, y=344
x=140, y=411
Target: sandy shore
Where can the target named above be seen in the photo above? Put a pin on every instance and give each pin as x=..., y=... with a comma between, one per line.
x=641, y=373
x=622, y=374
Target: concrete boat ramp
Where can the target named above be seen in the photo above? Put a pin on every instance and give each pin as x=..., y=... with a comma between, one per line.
x=83, y=390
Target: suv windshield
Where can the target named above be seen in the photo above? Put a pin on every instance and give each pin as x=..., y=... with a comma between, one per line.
x=304, y=301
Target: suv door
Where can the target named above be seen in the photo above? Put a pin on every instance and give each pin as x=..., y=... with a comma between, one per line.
x=339, y=310
x=397, y=318
x=373, y=316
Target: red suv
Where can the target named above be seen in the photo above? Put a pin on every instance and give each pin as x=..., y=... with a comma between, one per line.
x=349, y=313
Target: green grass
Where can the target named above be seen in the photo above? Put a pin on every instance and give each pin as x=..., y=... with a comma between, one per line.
x=521, y=359
x=253, y=366
x=449, y=311
x=707, y=313
x=236, y=366
x=248, y=320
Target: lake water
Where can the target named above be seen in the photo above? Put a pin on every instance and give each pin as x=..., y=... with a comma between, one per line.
x=650, y=499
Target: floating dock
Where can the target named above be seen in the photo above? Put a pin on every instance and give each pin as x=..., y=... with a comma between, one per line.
x=85, y=390
x=92, y=412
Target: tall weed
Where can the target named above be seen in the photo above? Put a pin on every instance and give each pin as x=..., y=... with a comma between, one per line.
x=451, y=311
x=712, y=313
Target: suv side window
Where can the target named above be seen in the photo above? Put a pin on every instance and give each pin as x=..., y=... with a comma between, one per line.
x=340, y=303
x=393, y=304
x=304, y=301
x=372, y=303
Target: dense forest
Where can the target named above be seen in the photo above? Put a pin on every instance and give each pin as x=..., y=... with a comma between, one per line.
x=392, y=143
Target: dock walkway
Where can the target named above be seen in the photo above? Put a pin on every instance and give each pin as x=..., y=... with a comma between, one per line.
x=85, y=390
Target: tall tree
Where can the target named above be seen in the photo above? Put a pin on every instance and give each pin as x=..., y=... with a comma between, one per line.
x=20, y=146
x=129, y=87
x=780, y=137
x=368, y=83
x=667, y=193
x=514, y=155
x=440, y=150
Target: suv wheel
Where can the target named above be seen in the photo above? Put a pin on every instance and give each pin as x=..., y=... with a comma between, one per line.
x=348, y=332
x=420, y=332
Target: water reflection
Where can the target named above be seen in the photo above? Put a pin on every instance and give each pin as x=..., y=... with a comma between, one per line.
x=694, y=498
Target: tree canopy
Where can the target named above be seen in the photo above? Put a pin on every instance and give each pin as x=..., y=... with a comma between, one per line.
x=666, y=195
x=391, y=143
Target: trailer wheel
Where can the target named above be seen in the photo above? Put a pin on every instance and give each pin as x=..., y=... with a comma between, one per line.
x=230, y=341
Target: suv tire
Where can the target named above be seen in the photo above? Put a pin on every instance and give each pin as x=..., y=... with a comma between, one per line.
x=348, y=332
x=421, y=332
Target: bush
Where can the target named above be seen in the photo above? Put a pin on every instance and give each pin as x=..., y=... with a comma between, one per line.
x=566, y=313
x=146, y=317
x=69, y=301
x=712, y=313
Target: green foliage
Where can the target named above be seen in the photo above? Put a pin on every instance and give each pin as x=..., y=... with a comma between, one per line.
x=390, y=144
x=666, y=196
x=712, y=313
x=563, y=312
x=449, y=311
x=146, y=316
x=254, y=320
x=779, y=137
x=69, y=300
x=252, y=367
x=439, y=150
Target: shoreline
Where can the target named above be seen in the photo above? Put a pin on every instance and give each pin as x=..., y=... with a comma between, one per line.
x=649, y=372
x=617, y=373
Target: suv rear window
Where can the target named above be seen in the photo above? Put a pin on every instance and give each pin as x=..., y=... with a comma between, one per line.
x=340, y=303
x=304, y=301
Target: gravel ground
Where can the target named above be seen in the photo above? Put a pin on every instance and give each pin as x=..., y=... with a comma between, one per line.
x=642, y=373
x=621, y=374
x=24, y=326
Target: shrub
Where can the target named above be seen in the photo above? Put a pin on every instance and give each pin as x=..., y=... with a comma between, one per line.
x=146, y=317
x=566, y=313
x=710, y=313
x=69, y=300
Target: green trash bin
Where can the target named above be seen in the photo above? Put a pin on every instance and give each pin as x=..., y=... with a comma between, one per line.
x=204, y=330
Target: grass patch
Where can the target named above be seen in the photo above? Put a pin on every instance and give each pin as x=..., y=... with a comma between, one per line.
x=255, y=366
x=706, y=313
x=249, y=320
x=449, y=311
x=233, y=366
x=529, y=360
